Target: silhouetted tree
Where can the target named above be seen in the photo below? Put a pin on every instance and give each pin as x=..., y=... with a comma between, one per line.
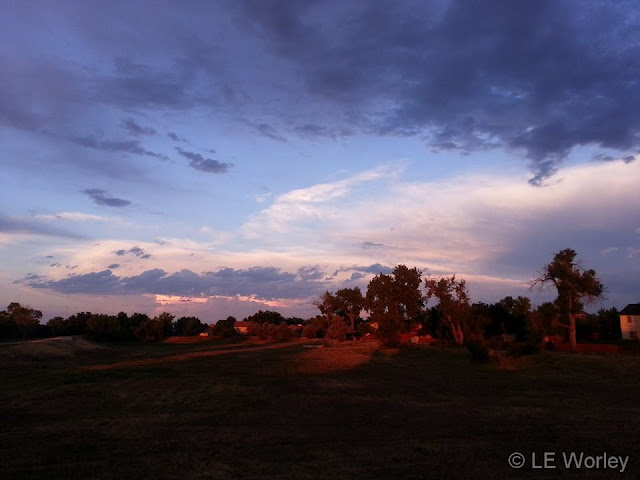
x=103, y=327
x=575, y=286
x=327, y=304
x=349, y=302
x=225, y=328
x=266, y=316
x=453, y=304
x=24, y=318
x=189, y=326
x=77, y=323
x=394, y=299
x=58, y=326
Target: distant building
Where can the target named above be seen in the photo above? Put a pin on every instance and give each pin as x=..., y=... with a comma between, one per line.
x=243, y=327
x=630, y=321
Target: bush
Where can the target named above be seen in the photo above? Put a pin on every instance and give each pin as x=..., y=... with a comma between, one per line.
x=337, y=329
x=315, y=328
x=388, y=329
x=523, y=348
x=480, y=351
x=282, y=332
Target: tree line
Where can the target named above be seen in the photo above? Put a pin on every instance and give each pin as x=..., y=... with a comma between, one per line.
x=396, y=303
x=399, y=302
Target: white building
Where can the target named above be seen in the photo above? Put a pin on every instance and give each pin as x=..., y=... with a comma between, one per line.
x=630, y=321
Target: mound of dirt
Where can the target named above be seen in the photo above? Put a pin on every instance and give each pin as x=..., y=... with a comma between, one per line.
x=187, y=340
x=56, y=347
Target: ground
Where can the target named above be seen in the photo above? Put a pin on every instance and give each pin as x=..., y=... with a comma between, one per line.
x=242, y=409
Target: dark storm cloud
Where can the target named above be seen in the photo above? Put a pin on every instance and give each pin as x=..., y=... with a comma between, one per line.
x=314, y=130
x=13, y=225
x=135, y=129
x=538, y=76
x=101, y=197
x=263, y=282
x=123, y=146
x=198, y=162
x=137, y=85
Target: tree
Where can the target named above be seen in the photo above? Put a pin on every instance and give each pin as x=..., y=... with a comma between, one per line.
x=225, y=328
x=575, y=287
x=315, y=327
x=349, y=302
x=453, y=304
x=394, y=299
x=165, y=319
x=189, y=326
x=24, y=318
x=58, y=326
x=543, y=321
x=337, y=329
x=266, y=316
x=327, y=304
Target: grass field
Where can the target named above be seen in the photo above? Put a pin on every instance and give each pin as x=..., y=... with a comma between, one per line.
x=72, y=409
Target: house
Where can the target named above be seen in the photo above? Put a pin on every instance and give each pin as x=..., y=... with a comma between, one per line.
x=243, y=327
x=630, y=321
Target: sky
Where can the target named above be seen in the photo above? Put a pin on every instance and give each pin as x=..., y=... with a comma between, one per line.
x=221, y=157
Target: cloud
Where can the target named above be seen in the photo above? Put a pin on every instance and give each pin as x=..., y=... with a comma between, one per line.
x=372, y=245
x=71, y=217
x=269, y=132
x=198, y=162
x=100, y=197
x=313, y=204
x=360, y=271
x=113, y=266
x=132, y=127
x=137, y=251
x=175, y=137
x=123, y=146
x=29, y=226
x=454, y=72
x=468, y=224
x=266, y=283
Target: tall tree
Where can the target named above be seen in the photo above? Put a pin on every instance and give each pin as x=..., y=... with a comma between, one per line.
x=453, y=304
x=349, y=302
x=327, y=304
x=575, y=287
x=394, y=299
x=24, y=317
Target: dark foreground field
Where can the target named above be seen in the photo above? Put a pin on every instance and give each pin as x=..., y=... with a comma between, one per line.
x=247, y=410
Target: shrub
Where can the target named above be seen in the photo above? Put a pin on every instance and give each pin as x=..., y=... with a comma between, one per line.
x=337, y=329
x=282, y=332
x=388, y=329
x=315, y=328
x=480, y=351
x=523, y=348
